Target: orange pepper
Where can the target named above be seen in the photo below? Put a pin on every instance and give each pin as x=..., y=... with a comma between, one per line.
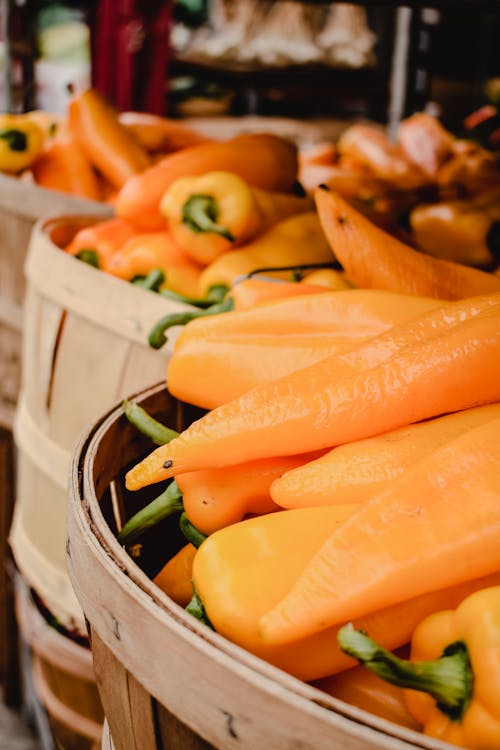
x=374, y=259
x=361, y=688
x=143, y=252
x=109, y=146
x=437, y=525
x=240, y=571
x=265, y=161
x=160, y=134
x=62, y=165
x=175, y=577
x=453, y=678
x=104, y=238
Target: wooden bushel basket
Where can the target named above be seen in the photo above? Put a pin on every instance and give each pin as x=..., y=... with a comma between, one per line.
x=63, y=678
x=21, y=205
x=165, y=679
x=84, y=348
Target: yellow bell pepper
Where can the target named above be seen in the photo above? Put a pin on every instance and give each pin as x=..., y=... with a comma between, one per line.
x=240, y=571
x=453, y=678
x=459, y=231
x=21, y=140
x=294, y=241
x=214, y=212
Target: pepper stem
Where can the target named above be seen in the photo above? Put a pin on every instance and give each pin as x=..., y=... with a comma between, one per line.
x=15, y=139
x=166, y=504
x=89, y=256
x=447, y=679
x=152, y=281
x=197, y=609
x=148, y=425
x=157, y=336
x=215, y=294
x=200, y=214
x=191, y=533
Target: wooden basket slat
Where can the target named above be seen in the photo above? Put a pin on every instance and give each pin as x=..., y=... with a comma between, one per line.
x=84, y=348
x=121, y=695
x=22, y=204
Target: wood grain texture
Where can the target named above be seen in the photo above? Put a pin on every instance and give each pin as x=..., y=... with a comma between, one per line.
x=22, y=204
x=84, y=347
x=221, y=694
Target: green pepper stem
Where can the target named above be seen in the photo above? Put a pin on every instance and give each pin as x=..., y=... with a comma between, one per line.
x=152, y=281
x=15, y=139
x=197, y=609
x=190, y=532
x=148, y=425
x=89, y=256
x=200, y=214
x=215, y=294
x=166, y=504
x=447, y=679
x=157, y=336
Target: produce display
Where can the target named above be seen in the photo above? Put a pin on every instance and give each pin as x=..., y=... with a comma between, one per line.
x=339, y=495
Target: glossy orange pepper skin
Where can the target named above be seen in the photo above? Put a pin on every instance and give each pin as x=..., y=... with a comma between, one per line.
x=457, y=231
x=266, y=161
x=475, y=622
x=215, y=498
x=104, y=237
x=143, y=252
x=361, y=688
x=210, y=214
x=62, y=165
x=241, y=570
x=175, y=578
x=109, y=146
x=158, y=134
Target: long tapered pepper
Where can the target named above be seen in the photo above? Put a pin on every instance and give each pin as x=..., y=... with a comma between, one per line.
x=243, y=295
x=212, y=213
x=213, y=499
x=438, y=524
x=266, y=161
x=456, y=366
x=62, y=165
x=354, y=472
x=374, y=259
x=453, y=678
x=240, y=571
x=109, y=146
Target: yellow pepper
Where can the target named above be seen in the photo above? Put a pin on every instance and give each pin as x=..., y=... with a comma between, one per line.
x=21, y=140
x=459, y=231
x=214, y=212
x=294, y=241
x=241, y=570
x=330, y=278
x=453, y=678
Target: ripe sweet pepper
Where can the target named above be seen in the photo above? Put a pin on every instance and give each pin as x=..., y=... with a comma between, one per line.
x=453, y=678
x=21, y=140
x=211, y=213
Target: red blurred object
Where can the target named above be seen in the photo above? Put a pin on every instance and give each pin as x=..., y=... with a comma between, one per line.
x=130, y=53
